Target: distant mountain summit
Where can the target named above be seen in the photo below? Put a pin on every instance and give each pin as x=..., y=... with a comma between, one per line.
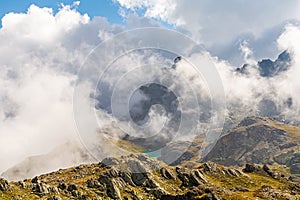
x=269, y=68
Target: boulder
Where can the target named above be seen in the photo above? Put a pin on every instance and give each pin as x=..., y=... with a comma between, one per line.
x=110, y=161
x=54, y=198
x=4, y=186
x=72, y=187
x=167, y=174
x=126, y=176
x=139, y=178
x=41, y=188
x=250, y=168
x=112, y=189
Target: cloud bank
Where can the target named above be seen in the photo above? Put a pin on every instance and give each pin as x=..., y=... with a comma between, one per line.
x=221, y=25
x=41, y=53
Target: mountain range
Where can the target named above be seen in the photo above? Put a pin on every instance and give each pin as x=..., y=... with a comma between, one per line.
x=256, y=157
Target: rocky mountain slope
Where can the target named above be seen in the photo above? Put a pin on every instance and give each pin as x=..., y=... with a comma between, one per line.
x=140, y=177
x=258, y=140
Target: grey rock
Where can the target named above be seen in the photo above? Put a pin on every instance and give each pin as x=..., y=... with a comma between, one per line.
x=75, y=193
x=249, y=168
x=93, y=183
x=111, y=186
x=136, y=166
x=126, y=176
x=72, y=187
x=150, y=183
x=200, y=176
x=210, y=167
x=41, y=188
x=53, y=190
x=139, y=178
x=54, y=198
x=268, y=171
x=4, y=186
x=62, y=186
x=35, y=180
x=167, y=174
x=110, y=161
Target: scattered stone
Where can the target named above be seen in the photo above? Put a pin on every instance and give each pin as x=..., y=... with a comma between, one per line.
x=209, y=167
x=62, y=186
x=35, y=180
x=72, y=187
x=93, y=183
x=54, y=198
x=193, y=180
x=127, y=178
x=53, y=190
x=159, y=193
x=232, y=172
x=135, y=166
x=40, y=188
x=184, y=177
x=113, y=172
x=75, y=193
x=111, y=187
x=250, y=168
x=268, y=171
x=167, y=174
x=200, y=175
x=139, y=178
x=150, y=183
x=83, y=197
x=110, y=161
x=4, y=185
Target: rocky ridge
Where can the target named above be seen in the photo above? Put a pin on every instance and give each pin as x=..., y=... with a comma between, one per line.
x=141, y=177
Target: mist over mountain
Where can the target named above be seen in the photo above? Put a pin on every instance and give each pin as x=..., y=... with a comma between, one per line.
x=169, y=91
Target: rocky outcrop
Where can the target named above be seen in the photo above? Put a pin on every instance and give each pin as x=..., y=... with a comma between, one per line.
x=4, y=185
x=140, y=177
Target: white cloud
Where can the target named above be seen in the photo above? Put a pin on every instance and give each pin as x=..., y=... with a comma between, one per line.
x=218, y=18
x=220, y=24
x=247, y=52
x=36, y=83
x=40, y=25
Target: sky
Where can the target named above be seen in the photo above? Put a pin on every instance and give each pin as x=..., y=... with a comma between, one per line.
x=105, y=8
x=45, y=47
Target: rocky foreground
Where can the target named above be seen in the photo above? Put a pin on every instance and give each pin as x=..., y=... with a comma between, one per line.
x=141, y=177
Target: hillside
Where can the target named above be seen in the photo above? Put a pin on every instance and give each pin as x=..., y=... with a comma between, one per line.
x=258, y=140
x=140, y=177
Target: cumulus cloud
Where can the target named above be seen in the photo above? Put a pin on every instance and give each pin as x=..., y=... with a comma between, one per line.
x=216, y=24
x=36, y=82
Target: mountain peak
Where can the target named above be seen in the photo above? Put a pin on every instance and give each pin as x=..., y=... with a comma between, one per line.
x=269, y=68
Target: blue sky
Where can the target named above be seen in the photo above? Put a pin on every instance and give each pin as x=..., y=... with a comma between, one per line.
x=105, y=8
